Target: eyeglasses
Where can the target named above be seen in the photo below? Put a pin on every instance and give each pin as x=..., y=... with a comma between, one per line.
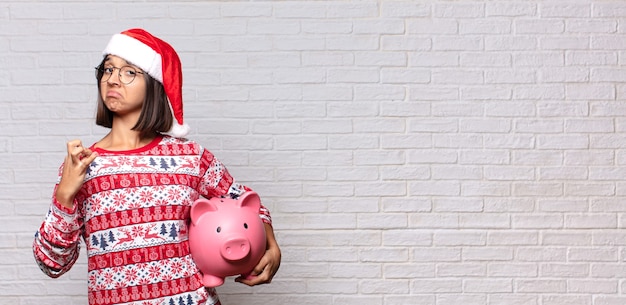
x=126, y=74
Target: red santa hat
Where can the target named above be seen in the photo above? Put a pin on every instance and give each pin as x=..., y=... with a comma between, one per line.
x=157, y=58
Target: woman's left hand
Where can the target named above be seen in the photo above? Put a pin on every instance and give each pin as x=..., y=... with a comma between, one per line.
x=265, y=270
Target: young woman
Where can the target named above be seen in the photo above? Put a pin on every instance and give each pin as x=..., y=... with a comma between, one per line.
x=128, y=196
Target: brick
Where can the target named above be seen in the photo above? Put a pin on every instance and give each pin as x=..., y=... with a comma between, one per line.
x=377, y=92
x=488, y=286
x=599, y=221
x=484, y=93
x=594, y=189
x=468, y=10
x=566, y=238
x=563, y=75
x=380, y=189
x=456, y=109
x=484, y=221
x=539, y=221
x=484, y=26
x=484, y=157
x=437, y=94
x=271, y=93
x=566, y=270
x=512, y=238
x=487, y=254
x=403, y=237
x=326, y=58
x=515, y=205
x=510, y=77
x=358, y=300
x=538, y=59
x=539, y=26
x=349, y=10
x=405, y=43
x=595, y=58
x=336, y=158
x=362, y=42
x=195, y=11
x=405, y=9
x=512, y=270
x=405, y=205
x=541, y=286
x=36, y=11
x=465, y=43
x=361, y=76
x=334, y=286
x=597, y=255
x=434, y=188
x=342, y=142
x=511, y=9
x=563, y=173
x=352, y=270
x=609, y=10
x=508, y=299
x=381, y=254
x=461, y=270
x=446, y=172
x=433, y=221
x=409, y=271
x=389, y=286
x=456, y=141
x=510, y=43
x=509, y=173
x=451, y=238
x=535, y=254
x=291, y=143
x=607, y=42
x=398, y=59
x=427, y=156
x=299, y=76
x=553, y=109
x=315, y=26
x=591, y=26
x=335, y=190
x=445, y=286
x=565, y=10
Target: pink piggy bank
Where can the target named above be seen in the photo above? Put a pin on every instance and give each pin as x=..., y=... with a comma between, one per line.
x=226, y=237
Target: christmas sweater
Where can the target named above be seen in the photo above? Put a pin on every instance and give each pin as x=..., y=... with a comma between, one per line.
x=132, y=213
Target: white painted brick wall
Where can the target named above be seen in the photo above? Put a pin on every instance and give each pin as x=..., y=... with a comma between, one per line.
x=412, y=152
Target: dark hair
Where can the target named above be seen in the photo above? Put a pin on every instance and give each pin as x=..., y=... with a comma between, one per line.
x=155, y=116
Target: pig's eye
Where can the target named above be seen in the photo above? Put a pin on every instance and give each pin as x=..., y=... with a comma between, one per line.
x=245, y=225
x=219, y=229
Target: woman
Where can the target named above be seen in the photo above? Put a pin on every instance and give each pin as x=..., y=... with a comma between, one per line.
x=129, y=195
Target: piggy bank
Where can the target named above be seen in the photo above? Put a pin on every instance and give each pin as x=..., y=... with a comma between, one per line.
x=226, y=237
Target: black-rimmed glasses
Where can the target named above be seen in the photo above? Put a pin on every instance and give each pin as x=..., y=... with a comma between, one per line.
x=126, y=74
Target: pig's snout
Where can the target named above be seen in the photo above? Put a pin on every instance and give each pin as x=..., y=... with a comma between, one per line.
x=235, y=249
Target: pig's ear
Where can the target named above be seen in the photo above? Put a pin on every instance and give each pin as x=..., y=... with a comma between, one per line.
x=250, y=200
x=201, y=207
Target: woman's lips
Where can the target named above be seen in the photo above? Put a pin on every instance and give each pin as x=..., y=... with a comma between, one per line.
x=113, y=94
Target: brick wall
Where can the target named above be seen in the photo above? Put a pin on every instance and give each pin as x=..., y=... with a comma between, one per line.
x=412, y=152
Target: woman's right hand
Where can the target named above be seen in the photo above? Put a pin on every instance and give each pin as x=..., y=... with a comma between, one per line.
x=74, y=170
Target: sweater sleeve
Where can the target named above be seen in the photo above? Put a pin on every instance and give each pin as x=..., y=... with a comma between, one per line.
x=216, y=181
x=57, y=242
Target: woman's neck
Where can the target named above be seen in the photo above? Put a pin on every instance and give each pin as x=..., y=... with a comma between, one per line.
x=124, y=140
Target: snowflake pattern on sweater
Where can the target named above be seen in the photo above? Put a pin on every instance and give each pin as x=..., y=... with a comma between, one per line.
x=133, y=213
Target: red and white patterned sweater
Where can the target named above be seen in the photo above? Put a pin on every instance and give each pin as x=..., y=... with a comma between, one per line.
x=132, y=213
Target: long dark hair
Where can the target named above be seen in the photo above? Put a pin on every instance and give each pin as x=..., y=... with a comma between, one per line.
x=155, y=116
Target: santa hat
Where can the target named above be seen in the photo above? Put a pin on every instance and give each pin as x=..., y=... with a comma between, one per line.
x=157, y=58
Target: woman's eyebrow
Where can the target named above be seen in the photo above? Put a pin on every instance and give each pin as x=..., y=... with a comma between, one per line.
x=108, y=59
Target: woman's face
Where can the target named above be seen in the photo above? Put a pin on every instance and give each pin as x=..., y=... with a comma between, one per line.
x=119, y=95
